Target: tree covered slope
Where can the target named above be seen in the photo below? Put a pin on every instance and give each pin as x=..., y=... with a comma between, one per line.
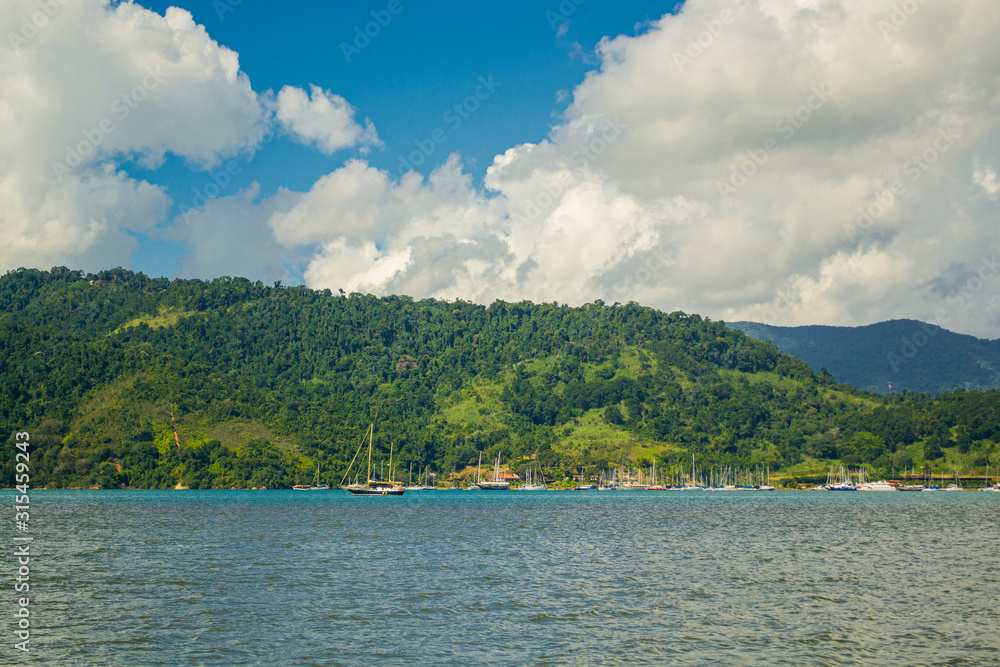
x=128, y=381
x=890, y=356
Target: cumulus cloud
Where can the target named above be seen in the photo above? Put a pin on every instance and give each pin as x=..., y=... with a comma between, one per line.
x=435, y=237
x=789, y=161
x=324, y=119
x=86, y=86
x=230, y=236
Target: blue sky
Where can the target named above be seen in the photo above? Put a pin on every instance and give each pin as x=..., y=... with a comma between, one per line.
x=782, y=161
x=407, y=79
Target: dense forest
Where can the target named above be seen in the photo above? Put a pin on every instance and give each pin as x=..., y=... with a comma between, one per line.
x=126, y=381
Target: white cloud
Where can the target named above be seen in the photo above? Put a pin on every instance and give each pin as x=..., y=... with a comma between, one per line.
x=986, y=178
x=230, y=236
x=809, y=161
x=437, y=237
x=326, y=119
x=93, y=84
x=822, y=107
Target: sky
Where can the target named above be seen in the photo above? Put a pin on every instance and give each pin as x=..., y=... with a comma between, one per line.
x=781, y=161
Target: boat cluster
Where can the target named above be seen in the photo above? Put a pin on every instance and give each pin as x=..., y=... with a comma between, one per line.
x=845, y=479
x=677, y=478
x=674, y=478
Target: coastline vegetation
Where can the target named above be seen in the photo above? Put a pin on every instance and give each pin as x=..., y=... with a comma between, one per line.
x=126, y=381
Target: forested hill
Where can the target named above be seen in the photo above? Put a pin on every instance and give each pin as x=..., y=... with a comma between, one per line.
x=890, y=356
x=128, y=381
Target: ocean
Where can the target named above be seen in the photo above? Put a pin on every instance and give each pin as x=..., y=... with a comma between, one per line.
x=507, y=578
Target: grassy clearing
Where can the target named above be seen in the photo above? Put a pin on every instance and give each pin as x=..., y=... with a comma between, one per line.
x=166, y=317
x=604, y=441
x=634, y=362
x=115, y=414
x=477, y=405
x=233, y=434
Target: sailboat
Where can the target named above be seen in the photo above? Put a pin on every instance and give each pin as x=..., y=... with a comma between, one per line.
x=908, y=486
x=315, y=487
x=419, y=486
x=531, y=482
x=844, y=481
x=995, y=488
x=495, y=484
x=479, y=475
x=373, y=487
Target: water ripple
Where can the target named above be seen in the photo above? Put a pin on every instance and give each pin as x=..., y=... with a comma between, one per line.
x=248, y=578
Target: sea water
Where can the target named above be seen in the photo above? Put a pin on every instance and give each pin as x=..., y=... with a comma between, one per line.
x=516, y=578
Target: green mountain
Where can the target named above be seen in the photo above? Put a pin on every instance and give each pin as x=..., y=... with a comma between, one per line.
x=890, y=356
x=128, y=381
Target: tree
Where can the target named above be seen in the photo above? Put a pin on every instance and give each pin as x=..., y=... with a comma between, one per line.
x=613, y=415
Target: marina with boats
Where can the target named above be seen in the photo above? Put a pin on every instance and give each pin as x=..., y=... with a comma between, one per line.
x=674, y=477
x=651, y=478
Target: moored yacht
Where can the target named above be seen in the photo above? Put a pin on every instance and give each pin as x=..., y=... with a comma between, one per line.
x=531, y=482
x=495, y=484
x=880, y=485
x=373, y=487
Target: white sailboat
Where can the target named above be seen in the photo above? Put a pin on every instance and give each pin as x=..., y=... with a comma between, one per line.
x=956, y=485
x=531, y=482
x=843, y=483
x=991, y=488
x=495, y=484
x=421, y=482
x=479, y=475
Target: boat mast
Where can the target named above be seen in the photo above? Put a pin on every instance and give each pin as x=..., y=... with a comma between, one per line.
x=371, y=435
x=390, y=461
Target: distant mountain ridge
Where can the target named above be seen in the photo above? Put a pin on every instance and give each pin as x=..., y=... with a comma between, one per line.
x=889, y=356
